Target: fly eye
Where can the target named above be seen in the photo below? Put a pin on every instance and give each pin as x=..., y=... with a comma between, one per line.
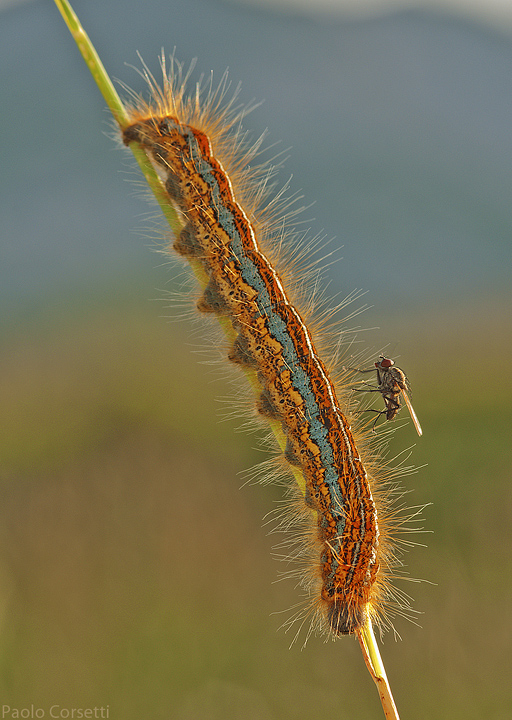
x=385, y=363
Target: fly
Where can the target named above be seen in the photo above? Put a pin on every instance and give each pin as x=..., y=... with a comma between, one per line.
x=392, y=383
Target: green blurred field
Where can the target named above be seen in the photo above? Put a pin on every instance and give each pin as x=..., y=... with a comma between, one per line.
x=135, y=573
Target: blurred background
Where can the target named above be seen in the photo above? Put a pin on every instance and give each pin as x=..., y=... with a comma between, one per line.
x=134, y=571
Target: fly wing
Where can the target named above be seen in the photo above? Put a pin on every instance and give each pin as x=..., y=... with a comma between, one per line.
x=414, y=418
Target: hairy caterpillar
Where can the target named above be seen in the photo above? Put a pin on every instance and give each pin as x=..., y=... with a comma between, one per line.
x=343, y=517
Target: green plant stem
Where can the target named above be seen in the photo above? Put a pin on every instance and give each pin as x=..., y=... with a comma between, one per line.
x=93, y=62
x=366, y=637
x=117, y=109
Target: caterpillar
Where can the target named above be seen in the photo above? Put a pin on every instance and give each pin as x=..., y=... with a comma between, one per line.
x=342, y=517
